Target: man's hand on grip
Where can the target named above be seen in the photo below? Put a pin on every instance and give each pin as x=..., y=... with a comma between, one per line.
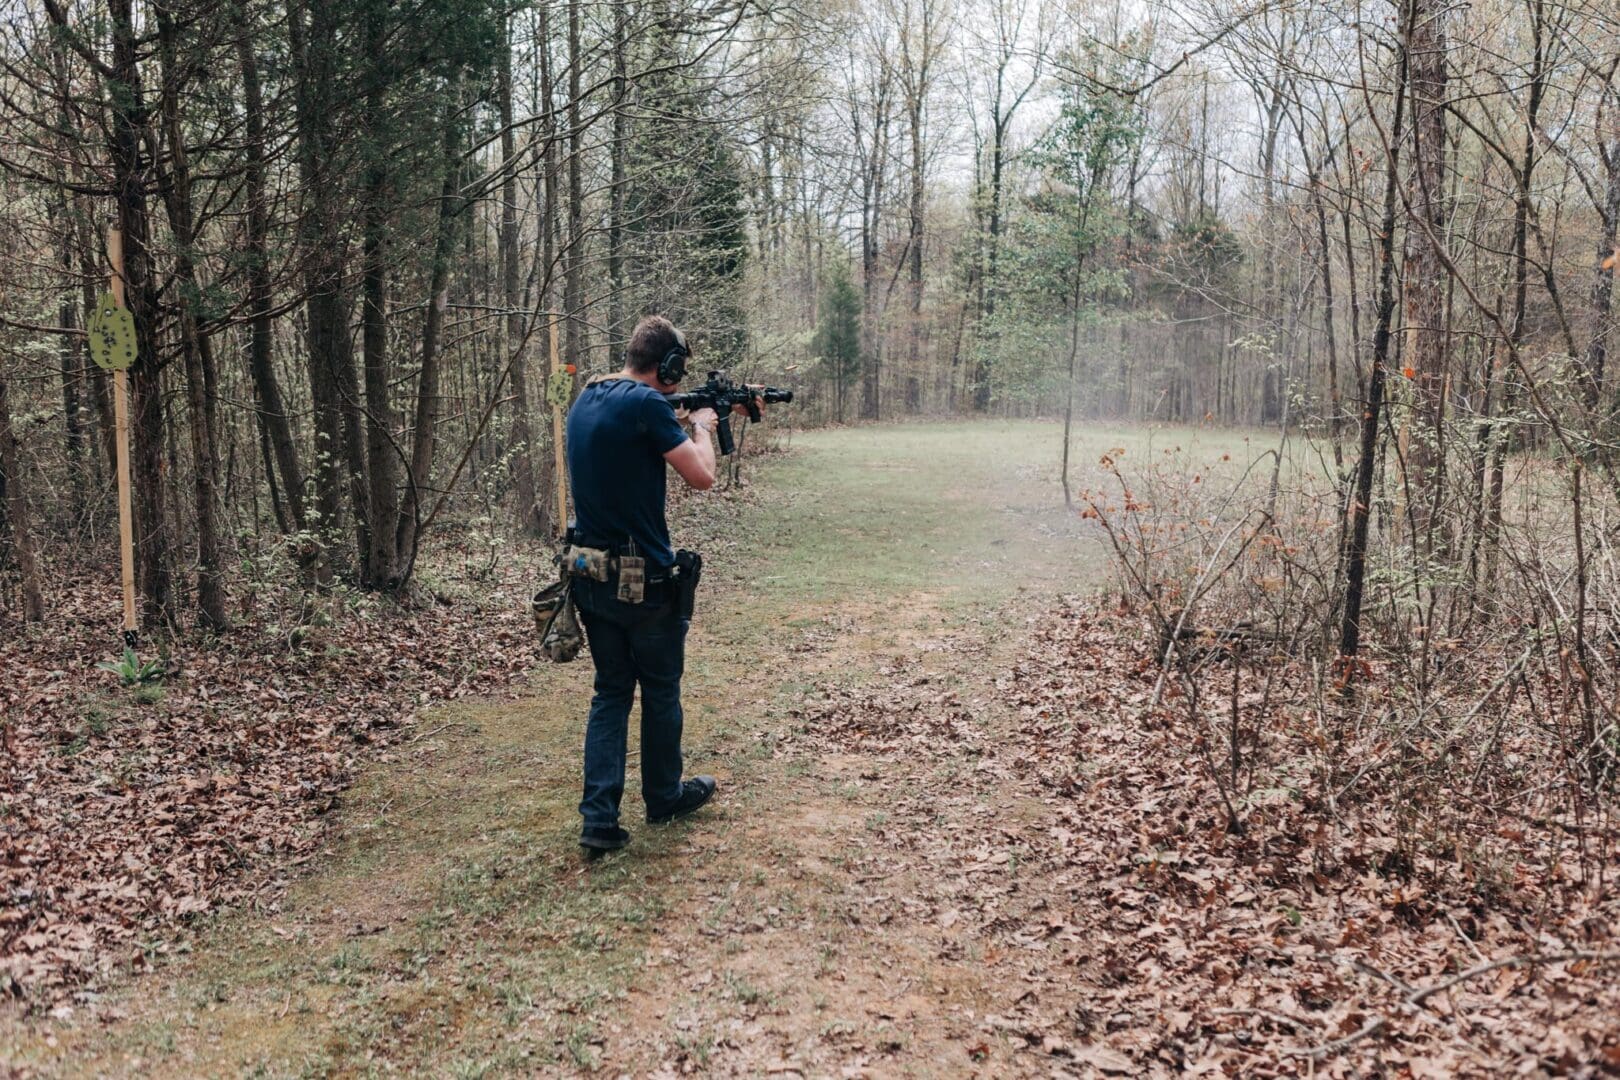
x=702, y=419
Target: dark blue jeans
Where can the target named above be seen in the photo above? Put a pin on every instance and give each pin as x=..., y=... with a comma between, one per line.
x=631, y=644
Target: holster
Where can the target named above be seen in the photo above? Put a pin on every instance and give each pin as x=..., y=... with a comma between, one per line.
x=688, y=572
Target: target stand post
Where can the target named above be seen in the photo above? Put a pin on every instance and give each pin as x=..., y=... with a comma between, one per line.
x=113, y=347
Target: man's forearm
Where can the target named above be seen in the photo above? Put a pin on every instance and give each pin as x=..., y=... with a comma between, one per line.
x=703, y=439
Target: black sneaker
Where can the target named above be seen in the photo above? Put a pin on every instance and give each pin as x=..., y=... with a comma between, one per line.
x=694, y=793
x=596, y=840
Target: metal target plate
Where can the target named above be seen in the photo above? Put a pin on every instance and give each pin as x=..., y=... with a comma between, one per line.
x=112, y=338
x=559, y=389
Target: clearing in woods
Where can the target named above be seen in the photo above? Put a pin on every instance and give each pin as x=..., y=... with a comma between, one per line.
x=822, y=918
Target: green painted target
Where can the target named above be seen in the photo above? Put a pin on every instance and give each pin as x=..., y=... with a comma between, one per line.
x=559, y=388
x=112, y=335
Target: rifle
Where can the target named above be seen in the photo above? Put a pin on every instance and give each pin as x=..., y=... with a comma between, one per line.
x=720, y=394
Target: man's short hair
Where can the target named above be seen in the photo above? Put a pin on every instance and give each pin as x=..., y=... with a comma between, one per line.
x=651, y=341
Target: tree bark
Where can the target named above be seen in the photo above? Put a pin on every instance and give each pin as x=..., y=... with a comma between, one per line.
x=1335, y=396
x=529, y=519
x=918, y=70
x=1603, y=280
x=195, y=348
x=872, y=177
x=70, y=352
x=329, y=351
x=70, y=359
x=1424, y=276
x=428, y=405
x=130, y=131
x=260, y=294
x=1360, y=504
x=16, y=508
x=617, y=331
x=1524, y=174
x=550, y=182
x=382, y=488
x=577, y=341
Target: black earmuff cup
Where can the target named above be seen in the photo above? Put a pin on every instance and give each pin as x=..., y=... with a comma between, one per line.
x=672, y=368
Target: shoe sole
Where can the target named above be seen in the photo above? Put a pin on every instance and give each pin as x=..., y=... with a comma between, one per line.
x=688, y=812
x=594, y=844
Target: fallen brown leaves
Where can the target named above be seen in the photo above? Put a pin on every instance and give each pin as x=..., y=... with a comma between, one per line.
x=123, y=812
x=1062, y=832
x=909, y=712
x=1301, y=939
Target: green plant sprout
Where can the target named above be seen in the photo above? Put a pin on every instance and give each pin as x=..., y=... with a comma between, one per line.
x=131, y=671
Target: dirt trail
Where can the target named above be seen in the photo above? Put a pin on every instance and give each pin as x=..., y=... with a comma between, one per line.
x=842, y=911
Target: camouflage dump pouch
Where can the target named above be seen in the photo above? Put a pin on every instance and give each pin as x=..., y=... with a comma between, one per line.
x=632, y=579
x=593, y=563
x=546, y=603
x=554, y=617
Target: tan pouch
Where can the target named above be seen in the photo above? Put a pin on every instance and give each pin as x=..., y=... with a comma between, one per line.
x=593, y=563
x=632, y=579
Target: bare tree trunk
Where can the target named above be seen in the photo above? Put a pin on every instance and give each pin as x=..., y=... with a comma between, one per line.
x=1360, y=505
x=874, y=163
x=1524, y=173
x=91, y=273
x=1603, y=279
x=1423, y=278
x=195, y=348
x=546, y=87
x=70, y=352
x=530, y=521
x=617, y=331
x=382, y=562
x=70, y=360
x=577, y=341
x=339, y=448
x=272, y=411
x=428, y=405
x=1273, y=388
x=16, y=508
x=981, y=375
x=1335, y=397
x=1074, y=354
x=918, y=64
x=130, y=118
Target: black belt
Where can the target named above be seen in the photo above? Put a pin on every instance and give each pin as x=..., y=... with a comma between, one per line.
x=660, y=579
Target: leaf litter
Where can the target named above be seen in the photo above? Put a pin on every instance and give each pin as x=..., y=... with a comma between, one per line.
x=125, y=812
x=1082, y=851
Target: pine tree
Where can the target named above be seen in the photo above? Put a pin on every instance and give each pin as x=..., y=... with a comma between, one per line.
x=838, y=333
x=685, y=215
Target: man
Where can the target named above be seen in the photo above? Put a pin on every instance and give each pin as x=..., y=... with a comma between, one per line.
x=621, y=431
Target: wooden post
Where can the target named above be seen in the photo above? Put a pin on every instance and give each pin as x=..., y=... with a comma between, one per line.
x=126, y=526
x=561, y=462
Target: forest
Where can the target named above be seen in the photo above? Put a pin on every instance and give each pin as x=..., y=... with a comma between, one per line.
x=1273, y=334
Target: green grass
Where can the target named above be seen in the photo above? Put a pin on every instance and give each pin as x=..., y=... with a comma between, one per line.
x=452, y=929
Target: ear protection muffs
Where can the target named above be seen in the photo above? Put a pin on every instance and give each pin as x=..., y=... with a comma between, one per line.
x=672, y=368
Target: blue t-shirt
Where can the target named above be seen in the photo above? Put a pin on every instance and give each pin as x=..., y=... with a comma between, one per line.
x=618, y=433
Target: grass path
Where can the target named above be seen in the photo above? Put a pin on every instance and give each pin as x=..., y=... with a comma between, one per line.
x=820, y=920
